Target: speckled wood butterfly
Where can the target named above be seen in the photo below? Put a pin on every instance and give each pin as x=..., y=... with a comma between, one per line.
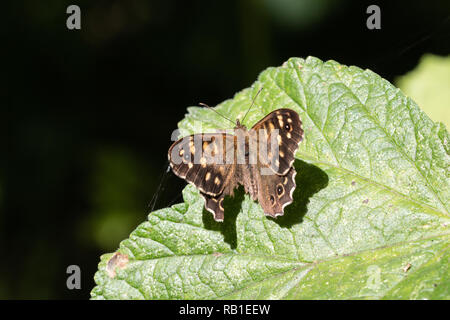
x=261, y=159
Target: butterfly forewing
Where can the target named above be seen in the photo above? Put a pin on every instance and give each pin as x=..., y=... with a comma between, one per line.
x=205, y=160
x=283, y=127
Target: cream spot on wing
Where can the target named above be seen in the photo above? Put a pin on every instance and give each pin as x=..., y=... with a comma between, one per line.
x=215, y=150
x=190, y=165
x=271, y=126
x=280, y=117
x=282, y=154
x=280, y=122
x=208, y=175
x=289, y=120
x=181, y=152
x=279, y=140
x=288, y=135
x=217, y=180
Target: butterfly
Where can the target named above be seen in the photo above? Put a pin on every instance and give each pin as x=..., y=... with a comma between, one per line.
x=261, y=159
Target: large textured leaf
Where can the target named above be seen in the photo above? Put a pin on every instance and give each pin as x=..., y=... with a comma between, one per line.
x=370, y=214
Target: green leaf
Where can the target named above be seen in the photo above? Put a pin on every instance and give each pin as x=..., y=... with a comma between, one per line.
x=370, y=213
x=428, y=84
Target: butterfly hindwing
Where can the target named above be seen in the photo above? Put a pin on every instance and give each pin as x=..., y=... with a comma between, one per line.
x=214, y=204
x=275, y=192
x=287, y=124
x=201, y=160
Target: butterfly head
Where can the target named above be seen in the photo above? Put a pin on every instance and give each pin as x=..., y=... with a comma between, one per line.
x=239, y=125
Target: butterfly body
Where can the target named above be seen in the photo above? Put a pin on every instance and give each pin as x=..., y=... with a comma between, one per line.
x=261, y=159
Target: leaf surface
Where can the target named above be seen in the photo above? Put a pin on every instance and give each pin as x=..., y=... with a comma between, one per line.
x=369, y=218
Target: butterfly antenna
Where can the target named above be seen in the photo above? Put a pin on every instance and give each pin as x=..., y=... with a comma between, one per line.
x=152, y=203
x=205, y=105
x=253, y=102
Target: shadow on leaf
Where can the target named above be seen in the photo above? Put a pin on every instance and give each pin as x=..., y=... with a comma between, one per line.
x=309, y=180
x=232, y=206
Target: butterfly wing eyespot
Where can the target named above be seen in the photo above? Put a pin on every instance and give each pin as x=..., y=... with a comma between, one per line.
x=288, y=127
x=272, y=200
x=282, y=189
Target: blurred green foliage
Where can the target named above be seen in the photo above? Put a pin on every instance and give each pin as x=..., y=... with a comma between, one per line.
x=119, y=189
x=429, y=85
x=299, y=13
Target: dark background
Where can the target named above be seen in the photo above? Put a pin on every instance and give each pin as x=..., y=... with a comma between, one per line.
x=88, y=114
